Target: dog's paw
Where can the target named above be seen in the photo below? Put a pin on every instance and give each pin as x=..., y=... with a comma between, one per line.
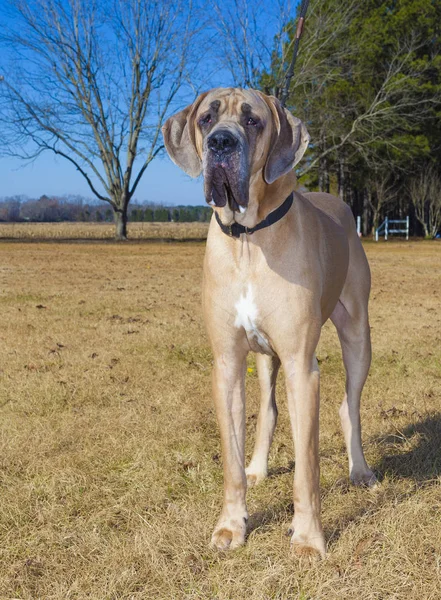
x=309, y=545
x=254, y=475
x=229, y=534
x=365, y=478
x=307, y=552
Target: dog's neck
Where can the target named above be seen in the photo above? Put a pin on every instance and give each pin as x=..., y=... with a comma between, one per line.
x=263, y=199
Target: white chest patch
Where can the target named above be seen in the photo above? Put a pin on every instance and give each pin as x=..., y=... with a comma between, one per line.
x=246, y=317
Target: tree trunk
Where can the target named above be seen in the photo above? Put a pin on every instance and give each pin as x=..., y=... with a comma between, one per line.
x=324, y=176
x=351, y=195
x=341, y=178
x=120, y=215
x=420, y=213
x=366, y=213
x=320, y=178
x=327, y=184
x=375, y=221
x=322, y=168
x=424, y=225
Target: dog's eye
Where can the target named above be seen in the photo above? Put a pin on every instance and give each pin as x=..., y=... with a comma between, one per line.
x=205, y=120
x=251, y=121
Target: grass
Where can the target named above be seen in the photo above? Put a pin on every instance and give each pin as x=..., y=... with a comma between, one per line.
x=110, y=467
x=102, y=231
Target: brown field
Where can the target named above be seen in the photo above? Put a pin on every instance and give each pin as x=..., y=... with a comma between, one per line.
x=110, y=474
x=101, y=231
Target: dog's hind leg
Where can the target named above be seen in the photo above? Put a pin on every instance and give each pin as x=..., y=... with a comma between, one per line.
x=267, y=369
x=351, y=320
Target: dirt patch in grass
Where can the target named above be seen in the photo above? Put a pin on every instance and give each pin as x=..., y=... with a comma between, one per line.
x=110, y=468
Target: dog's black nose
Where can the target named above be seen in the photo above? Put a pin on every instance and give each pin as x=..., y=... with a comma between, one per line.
x=222, y=141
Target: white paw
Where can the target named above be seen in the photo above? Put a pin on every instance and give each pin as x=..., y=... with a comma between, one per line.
x=311, y=546
x=255, y=475
x=229, y=533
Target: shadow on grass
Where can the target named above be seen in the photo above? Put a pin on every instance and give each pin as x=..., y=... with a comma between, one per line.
x=273, y=513
x=279, y=513
x=414, y=452
x=275, y=472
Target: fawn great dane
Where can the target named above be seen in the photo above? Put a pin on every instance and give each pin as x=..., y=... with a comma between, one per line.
x=278, y=264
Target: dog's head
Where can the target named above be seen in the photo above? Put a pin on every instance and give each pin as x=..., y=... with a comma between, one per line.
x=234, y=135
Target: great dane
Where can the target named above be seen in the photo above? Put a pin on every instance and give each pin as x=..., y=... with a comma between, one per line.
x=278, y=264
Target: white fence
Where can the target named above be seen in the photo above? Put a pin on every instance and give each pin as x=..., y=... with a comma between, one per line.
x=386, y=230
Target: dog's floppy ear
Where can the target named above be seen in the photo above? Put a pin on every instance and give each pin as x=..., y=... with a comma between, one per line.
x=289, y=142
x=179, y=139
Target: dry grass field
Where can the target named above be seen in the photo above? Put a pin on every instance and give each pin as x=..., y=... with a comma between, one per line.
x=110, y=468
x=101, y=231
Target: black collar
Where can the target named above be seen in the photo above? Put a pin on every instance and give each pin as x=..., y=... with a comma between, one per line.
x=235, y=230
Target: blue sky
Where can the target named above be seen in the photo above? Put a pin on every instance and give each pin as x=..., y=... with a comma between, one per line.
x=48, y=174
x=162, y=183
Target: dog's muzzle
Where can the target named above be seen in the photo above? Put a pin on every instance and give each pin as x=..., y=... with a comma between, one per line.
x=226, y=171
x=222, y=142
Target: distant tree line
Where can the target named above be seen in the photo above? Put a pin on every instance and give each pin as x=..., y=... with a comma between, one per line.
x=178, y=214
x=52, y=209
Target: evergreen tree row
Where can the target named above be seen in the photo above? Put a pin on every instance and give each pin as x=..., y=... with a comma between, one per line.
x=367, y=85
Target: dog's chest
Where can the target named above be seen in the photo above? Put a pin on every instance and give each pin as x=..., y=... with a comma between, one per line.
x=248, y=317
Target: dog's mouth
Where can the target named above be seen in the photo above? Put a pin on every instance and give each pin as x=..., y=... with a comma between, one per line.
x=226, y=183
x=232, y=203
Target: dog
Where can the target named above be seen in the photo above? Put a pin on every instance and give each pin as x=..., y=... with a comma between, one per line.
x=278, y=264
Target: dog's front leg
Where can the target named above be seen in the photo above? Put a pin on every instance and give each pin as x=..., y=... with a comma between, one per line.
x=229, y=397
x=302, y=383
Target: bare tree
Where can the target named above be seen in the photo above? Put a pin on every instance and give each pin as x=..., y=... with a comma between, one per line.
x=92, y=81
x=382, y=192
x=10, y=208
x=250, y=34
x=435, y=206
x=237, y=32
x=257, y=39
x=425, y=194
